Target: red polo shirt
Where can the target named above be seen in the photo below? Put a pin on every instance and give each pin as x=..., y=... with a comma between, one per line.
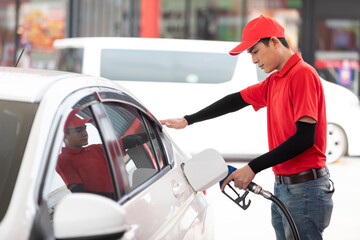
x=294, y=92
x=87, y=166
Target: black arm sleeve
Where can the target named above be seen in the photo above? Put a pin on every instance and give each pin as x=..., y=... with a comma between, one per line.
x=230, y=103
x=303, y=139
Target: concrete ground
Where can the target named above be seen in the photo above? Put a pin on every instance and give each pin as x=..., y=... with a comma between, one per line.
x=231, y=222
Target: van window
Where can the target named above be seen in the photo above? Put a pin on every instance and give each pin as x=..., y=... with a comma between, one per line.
x=166, y=66
x=69, y=59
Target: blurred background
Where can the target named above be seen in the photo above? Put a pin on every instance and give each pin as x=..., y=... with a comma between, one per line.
x=326, y=32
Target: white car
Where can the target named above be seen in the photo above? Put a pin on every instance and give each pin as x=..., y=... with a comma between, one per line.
x=177, y=77
x=156, y=189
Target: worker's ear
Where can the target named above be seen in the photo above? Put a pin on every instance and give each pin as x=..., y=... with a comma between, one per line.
x=274, y=42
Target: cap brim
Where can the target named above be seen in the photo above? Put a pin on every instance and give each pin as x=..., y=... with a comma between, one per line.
x=242, y=47
x=85, y=120
x=81, y=122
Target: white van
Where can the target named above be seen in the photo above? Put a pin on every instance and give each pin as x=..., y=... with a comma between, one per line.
x=178, y=77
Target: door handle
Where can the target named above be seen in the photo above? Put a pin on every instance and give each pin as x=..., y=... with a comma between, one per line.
x=178, y=189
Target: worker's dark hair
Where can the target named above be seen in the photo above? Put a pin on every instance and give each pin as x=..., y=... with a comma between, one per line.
x=282, y=40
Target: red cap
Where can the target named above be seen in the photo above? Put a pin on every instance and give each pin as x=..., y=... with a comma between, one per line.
x=256, y=29
x=74, y=121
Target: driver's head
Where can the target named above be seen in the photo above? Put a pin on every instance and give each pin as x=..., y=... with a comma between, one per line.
x=75, y=131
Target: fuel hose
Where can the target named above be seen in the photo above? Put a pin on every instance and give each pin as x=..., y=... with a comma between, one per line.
x=253, y=187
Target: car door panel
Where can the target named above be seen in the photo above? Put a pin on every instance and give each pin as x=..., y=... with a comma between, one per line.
x=159, y=195
x=171, y=216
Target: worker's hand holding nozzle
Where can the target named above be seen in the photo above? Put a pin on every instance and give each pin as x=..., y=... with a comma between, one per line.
x=235, y=196
x=242, y=177
x=235, y=175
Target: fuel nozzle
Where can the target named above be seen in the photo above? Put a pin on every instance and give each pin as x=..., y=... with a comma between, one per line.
x=253, y=187
x=240, y=198
x=235, y=196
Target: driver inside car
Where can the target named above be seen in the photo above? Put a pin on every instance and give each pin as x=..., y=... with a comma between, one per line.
x=83, y=168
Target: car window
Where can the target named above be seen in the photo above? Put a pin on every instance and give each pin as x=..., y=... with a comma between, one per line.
x=166, y=66
x=69, y=59
x=143, y=154
x=82, y=163
x=16, y=119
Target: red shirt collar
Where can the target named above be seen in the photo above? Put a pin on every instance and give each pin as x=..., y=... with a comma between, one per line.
x=295, y=58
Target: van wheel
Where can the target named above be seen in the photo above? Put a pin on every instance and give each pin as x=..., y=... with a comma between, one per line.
x=336, y=143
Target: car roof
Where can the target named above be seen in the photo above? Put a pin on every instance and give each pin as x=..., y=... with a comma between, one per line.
x=30, y=85
x=147, y=44
x=25, y=84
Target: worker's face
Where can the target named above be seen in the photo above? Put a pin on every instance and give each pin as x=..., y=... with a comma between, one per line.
x=76, y=138
x=266, y=57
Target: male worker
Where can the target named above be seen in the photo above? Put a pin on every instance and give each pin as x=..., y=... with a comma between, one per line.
x=83, y=169
x=296, y=121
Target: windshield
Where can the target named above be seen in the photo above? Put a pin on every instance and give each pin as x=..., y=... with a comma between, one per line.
x=16, y=119
x=166, y=66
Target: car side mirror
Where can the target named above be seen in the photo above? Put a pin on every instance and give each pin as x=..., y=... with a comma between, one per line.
x=205, y=169
x=88, y=216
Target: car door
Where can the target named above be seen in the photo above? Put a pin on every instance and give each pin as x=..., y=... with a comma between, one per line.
x=141, y=170
x=160, y=203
